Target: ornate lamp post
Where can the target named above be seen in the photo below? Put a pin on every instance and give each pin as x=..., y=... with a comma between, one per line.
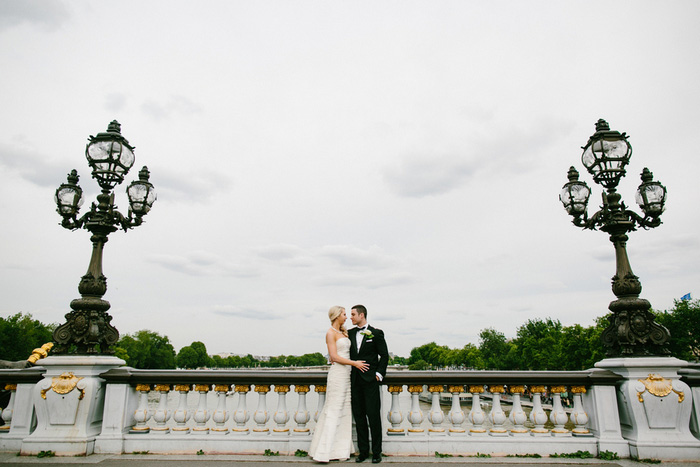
x=109, y=154
x=632, y=330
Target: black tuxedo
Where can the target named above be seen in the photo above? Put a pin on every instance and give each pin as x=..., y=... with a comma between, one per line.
x=366, y=400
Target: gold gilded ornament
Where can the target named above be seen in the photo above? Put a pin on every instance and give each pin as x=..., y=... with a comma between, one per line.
x=557, y=389
x=455, y=389
x=517, y=389
x=538, y=389
x=242, y=388
x=38, y=354
x=415, y=388
x=498, y=389
x=63, y=384
x=320, y=388
x=262, y=388
x=143, y=387
x=659, y=386
x=282, y=388
x=578, y=389
x=301, y=388
x=182, y=387
x=435, y=388
x=202, y=387
x=476, y=389
x=222, y=388
x=393, y=389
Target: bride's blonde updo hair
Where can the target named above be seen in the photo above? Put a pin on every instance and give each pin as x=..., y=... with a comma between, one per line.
x=333, y=314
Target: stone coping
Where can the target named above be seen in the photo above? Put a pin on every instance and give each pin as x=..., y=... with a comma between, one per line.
x=579, y=378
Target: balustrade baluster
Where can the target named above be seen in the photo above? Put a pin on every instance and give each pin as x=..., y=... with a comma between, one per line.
x=142, y=414
x=558, y=415
x=162, y=414
x=321, y=390
x=281, y=416
x=497, y=416
x=182, y=415
x=579, y=417
x=241, y=415
x=201, y=415
x=261, y=416
x=538, y=416
x=221, y=415
x=301, y=416
x=415, y=416
x=395, y=416
x=10, y=409
x=456, y=414
x=517, y=416
x=477, y=416
x=436, y=415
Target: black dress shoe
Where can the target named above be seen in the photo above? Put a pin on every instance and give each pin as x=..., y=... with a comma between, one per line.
x=361, y=458
x=376, y=459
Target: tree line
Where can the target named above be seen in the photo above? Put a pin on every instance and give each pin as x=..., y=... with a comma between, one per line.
x=539, y=344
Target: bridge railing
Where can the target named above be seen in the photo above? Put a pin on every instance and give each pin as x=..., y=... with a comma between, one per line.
x=252, y=411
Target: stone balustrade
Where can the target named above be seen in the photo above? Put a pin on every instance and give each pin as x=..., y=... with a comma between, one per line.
x=250, y=411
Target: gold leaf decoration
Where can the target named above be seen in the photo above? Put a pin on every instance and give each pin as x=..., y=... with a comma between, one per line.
x=659, y=386
x=63, y=384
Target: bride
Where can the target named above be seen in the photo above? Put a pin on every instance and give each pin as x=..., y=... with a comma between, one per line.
x=333, y=434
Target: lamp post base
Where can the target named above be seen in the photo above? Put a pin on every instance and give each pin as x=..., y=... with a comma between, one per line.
x=69, y=405
x=655, y=407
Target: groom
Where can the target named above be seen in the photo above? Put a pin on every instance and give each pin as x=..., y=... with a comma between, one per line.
x=368, y=344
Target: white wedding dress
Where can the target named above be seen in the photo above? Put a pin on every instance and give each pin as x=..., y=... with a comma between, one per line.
x=333, y=434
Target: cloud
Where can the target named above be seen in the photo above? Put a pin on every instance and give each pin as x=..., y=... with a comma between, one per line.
x=196, y=187
x=115, y=102
x=354, y=257
x=372, y=280
x=202, y=263
x=419, y=175
x=288, y=255
x=48, y=14
x=32, y=166
x=174, y=105
x=246, y=313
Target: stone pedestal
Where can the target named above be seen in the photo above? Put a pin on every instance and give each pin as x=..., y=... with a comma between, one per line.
x=655, y=407
x=69, y=405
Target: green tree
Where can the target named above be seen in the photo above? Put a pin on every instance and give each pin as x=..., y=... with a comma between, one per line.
x=683, y=322
x=146, y=350
x=468, y=356
x=496, y=352
x=582, y=347
x=203, y=358
x=188, y=358
x=539, y=345
x=396, y=360
x=419, y=365
x=20, y=334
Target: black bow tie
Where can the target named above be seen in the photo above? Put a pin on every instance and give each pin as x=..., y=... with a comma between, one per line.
x=362, y=329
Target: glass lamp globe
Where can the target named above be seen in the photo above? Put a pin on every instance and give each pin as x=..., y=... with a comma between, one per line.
x=606, y=154
x=110, y=155
x=69, y=196
x=141, y=194
x=651, y=196
x=574, y=195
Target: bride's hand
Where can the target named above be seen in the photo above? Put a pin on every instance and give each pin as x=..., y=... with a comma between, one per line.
x=361, y=365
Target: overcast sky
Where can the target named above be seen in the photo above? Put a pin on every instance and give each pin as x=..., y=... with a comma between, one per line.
x=406, y=155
